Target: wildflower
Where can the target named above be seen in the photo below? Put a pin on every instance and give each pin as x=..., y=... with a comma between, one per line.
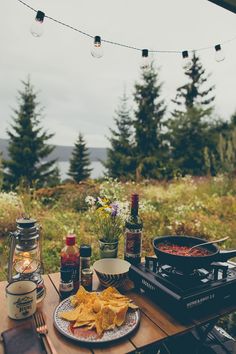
x=90, y=200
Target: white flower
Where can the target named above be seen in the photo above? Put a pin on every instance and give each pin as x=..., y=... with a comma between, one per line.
x=90, y=200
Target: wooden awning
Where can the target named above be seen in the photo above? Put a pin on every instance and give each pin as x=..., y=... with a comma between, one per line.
x=227, y=4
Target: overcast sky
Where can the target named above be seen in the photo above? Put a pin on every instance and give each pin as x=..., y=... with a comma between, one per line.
x=80, y=93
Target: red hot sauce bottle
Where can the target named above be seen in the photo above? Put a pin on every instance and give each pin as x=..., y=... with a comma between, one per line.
x=133, y=233
x=70, y=259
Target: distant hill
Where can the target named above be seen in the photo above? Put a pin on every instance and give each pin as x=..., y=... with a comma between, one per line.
x=62, y=153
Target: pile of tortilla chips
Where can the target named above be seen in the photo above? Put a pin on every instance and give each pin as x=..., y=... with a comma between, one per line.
x=100, y=311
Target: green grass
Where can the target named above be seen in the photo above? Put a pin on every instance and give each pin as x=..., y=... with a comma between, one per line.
x=186, y=206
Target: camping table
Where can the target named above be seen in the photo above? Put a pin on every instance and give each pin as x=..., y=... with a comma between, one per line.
x=156, y=325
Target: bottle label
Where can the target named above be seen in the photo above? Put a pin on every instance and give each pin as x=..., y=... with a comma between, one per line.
x=133, y=243
x=73, y=263
x=66, y=286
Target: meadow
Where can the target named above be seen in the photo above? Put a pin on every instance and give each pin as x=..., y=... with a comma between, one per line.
x=203, y=207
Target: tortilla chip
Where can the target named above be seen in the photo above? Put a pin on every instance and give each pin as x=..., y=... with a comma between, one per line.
x=108, y=317
x=98, y=324
x=97, y=306
x=132, y=306
x=102, y=311
x=90, y=326
x=81, y=324
x=120, y=315
x=70, y=315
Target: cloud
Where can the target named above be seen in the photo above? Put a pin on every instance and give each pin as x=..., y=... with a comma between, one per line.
x=81, y=93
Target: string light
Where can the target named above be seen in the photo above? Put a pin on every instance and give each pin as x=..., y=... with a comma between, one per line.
x=97, y=51
x=219, y=54
x=187, y=62
x=37, y=27
x=145, y=59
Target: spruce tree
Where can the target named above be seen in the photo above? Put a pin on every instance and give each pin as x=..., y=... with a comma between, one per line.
x=227, y=152
x=148, y=123
x=120, y=157
x=79, y=163
x=28, y=148
x=189, y=127
x=1, y=171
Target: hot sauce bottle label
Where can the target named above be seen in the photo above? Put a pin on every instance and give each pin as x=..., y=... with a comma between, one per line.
x=133, y=243
x=73, y=263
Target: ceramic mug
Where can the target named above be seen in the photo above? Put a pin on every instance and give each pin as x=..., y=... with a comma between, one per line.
x=21, y=299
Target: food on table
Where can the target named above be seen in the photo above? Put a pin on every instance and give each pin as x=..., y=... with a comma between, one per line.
x=100, y=311
x=183, y=250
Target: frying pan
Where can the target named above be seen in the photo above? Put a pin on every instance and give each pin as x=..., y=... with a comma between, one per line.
x=188, y=263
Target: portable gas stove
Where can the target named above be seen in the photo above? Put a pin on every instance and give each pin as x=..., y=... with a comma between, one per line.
x=202, y=290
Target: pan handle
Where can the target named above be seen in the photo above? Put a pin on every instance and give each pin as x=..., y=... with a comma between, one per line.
x=223, y=256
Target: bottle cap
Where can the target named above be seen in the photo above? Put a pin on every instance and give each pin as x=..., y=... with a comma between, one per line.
x=66, y=274
x=85, y=251
x=70, y=240
x=134, y=197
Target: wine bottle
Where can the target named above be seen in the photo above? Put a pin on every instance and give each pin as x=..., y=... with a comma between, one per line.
x=133, y=233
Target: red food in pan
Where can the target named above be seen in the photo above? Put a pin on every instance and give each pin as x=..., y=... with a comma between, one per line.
x=183, y=250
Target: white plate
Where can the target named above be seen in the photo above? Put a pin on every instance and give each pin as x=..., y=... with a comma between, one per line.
x=90, y=336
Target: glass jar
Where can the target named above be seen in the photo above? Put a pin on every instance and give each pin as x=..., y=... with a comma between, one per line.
x=87, y=279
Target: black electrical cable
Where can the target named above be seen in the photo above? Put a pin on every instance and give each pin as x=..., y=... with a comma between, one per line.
x=121, y=44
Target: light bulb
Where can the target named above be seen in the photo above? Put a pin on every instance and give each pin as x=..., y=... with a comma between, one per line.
x=219, y=54
x=145, y=59
x=187, y=62
x=37, y=27
x=97, y=51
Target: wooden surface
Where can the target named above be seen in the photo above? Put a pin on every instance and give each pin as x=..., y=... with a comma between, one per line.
x=155, y=326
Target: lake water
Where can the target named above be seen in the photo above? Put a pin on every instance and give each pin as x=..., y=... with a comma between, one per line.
x=97, y=172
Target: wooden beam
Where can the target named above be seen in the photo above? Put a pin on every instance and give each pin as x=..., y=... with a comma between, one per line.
x=227, y=4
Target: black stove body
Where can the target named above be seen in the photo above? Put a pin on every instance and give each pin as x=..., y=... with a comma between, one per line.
x=202, y=291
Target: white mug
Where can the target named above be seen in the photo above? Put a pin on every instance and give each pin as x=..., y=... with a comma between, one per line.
x=21, y=299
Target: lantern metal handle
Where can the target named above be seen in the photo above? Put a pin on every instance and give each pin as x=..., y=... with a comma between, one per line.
x=13, y=236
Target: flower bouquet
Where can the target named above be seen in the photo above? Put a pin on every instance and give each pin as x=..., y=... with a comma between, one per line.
x=108, y=223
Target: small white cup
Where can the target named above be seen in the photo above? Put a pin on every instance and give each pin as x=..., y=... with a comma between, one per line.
x=21, y=299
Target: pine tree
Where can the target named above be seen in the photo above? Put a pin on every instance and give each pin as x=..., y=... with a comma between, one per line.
x=189, y=129
x=227, y=151
x=1, y=171
x=233, y=121
x=79, y=163
x=120, y=157
x=148, y=123
x=27, y=148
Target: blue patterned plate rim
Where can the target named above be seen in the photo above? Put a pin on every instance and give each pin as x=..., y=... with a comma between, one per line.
x=131, y=323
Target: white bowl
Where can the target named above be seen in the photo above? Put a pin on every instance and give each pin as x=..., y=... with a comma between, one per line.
x=112, y=271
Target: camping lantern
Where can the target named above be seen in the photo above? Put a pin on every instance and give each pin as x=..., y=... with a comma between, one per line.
x=25, y=257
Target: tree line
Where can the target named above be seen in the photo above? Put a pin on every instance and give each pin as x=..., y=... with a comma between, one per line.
x=151, y=142
x=148, y=141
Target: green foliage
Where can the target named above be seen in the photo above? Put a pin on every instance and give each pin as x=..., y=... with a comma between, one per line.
x=227, y=152
x=11, y=208
x=194, y=93
x=1, y=171
x=189, y=136
x=150, y=148
x=28, y=150
x=79, y=163
x=120, y=157
x=188, y=139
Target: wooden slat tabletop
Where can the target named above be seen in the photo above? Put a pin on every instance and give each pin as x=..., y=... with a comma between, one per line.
x=156, y=325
